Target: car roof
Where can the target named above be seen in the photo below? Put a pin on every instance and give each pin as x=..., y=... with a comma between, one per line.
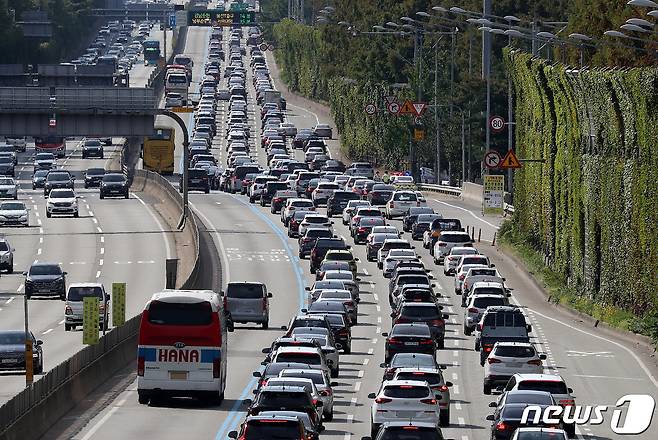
x=282, y=388
x=418, y=369
x=538, y=377
x=297, y=350
x=408, y=423
x=85, y=285
x=418, y=383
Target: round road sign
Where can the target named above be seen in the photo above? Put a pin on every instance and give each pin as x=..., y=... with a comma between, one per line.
x=262, y=46
x=497, y=124
x=393, y=108
x=270, y=47
x=370, y=109
x=492, y=159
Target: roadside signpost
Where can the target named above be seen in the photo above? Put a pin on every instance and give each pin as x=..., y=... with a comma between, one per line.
x=492, y=159
x=370, y=109
x=407, y=108
x=419, y=108
x=118, y=304
x=90, y=320
x=510, y=161
x=393, y=108
x=497, y=124
x=493, y=191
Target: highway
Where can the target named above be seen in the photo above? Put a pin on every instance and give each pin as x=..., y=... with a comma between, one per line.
x=600, y=367
x=112, y=241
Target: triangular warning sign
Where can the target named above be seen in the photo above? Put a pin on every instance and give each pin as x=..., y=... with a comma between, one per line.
x=407, y=108
x=419, y=108
x=510, y=161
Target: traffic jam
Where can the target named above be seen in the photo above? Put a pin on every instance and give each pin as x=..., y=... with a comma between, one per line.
x=331, y=211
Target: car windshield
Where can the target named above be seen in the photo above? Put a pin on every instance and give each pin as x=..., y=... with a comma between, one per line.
x=4, y=246
x=6, y=182
x=455, y=238
x=44, y=156
x=413, y=359
x=529, y=398
x=95, y=171
x=552, y=386
x=114, y=178
x=272, y=429
x=410, y=330
x=93, y=143
x=515, y=351
x=420, y=312
x=301, y=357
x=58, y=177
x=12, y=206
x=41, y=173
x=282, y=399
x=541, y=435
x=12, y=338
x=483, y=303
x=180, y=314
x=406, y=391
x=405, y=197
x=430, y=378
x=408, y=433
x=6, y=159
x=77, y=293
x=61, y=194
x=45, y=269
x=244, y=291
x=315, y=375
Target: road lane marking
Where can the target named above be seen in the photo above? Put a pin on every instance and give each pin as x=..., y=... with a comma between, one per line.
x=100, y=262
x=102, y=251
x=47, y=331
x=371, y=350
x=102, y=239
x=469, y=211
x=458, y=406
x=99, y=229
x=361, y=373
x=10, y=299
x=98, y=274
x=455, y=389
x=460, y=420
x=592, y=376
x=61, y=322
x=357, y=387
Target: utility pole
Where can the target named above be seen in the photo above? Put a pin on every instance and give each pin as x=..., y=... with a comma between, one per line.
x=436, y=112
x=486, y=68
x=29, y=349
x=165, y=22
x=418, y=59
x=510, y=115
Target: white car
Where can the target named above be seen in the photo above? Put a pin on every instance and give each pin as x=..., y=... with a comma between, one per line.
x=19, y=143
x=400, y=203
x=315, y=221
x=323, y=191
x=351, y=207
x=45, y=161
x=8, y=188
x=534, y=433
x=461, y=275
x=62, y=201
x=14, y=213
x=258, y=186
x=509, y=358
x=434, y=377
x=395, y=256
x=295, y=204
x=447, y=240
x=403, y=400
x=304, y=355
x=452, y=259
x=389, y=245
x=388, y=229
x=173, y=100
x=402, y=181
x=287, y=129
x=478, y=275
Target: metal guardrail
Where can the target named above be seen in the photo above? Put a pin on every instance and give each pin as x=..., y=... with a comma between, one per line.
x=22, y=402
x=443, y=189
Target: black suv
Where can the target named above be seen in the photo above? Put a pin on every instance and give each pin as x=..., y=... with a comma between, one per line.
x=92, y=147
x=197, y=180
x=338, y=201
x=58, y=180
x=93, y=177
x=114, y=184
x=46, y=279
x=322, y=246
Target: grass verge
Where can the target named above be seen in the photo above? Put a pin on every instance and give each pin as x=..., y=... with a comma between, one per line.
x=559, y=292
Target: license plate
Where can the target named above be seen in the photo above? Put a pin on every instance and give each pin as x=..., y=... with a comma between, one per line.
x=44, y=290
x=405, y=414
x=411, y=343
x=9, y=361
x=178, y=375
x=514, y=364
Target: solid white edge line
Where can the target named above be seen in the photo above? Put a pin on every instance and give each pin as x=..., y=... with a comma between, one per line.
x=159, y=223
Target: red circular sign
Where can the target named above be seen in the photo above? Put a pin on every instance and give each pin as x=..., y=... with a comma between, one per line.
x=497, y=124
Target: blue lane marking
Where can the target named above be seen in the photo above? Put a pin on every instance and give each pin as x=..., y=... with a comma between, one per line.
x=232, y=421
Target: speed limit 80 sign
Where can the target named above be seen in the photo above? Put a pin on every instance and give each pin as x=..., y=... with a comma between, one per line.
x=497, y=124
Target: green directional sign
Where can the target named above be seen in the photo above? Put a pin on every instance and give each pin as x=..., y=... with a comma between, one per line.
x=239, y=6
x=217, y=17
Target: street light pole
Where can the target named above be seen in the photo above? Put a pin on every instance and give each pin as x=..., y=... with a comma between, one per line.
x=29, y=349
x=436, y=112
x=486, y=68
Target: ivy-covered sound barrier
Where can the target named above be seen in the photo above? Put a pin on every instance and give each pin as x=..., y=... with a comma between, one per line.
x=592, y=206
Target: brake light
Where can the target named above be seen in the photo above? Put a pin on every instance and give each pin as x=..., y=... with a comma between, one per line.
x=494, y=360
x=277, y=199
x=349, y=303
x=441, y=244
x=140, y=366
x=383, y=400
x=462, y=276
x=437, y=322
x=417, y=203
x=566, y=402
x=426, y=342
x=343, y=332
x=442, y=388
x=501, y=426
x=487, y=348
x=326, y=392
x=306, y=240
x=315, y=401
x=225, y=302
x=394, y=341
x=216, y=367
x=392, y=205
x=535, y=362
x=265, y=304
x=428, y=401
x=362, y=229
x=473, y=310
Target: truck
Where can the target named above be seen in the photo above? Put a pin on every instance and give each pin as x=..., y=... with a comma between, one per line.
x=500, y=324
x=151, y=52
x=272, y=97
